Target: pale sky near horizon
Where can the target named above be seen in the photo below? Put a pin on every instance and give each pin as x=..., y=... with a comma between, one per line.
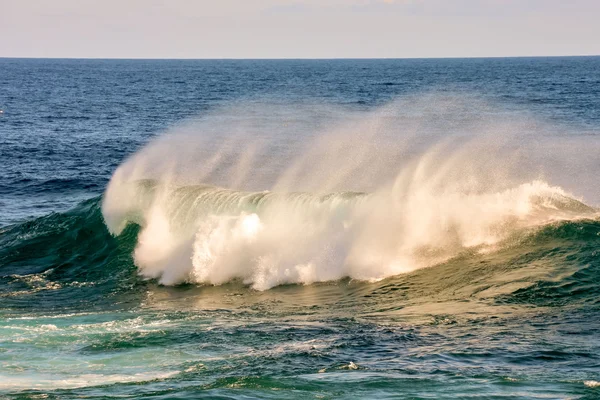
x=298, y=28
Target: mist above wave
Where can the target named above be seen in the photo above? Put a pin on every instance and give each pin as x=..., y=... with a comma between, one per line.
x=273, y=194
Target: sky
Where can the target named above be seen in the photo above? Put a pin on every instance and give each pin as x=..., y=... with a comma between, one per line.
x=298, y=28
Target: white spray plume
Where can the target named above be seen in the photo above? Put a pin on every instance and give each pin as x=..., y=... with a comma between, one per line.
x=273, y=194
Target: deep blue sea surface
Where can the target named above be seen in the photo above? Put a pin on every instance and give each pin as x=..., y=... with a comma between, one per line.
x=424, y=229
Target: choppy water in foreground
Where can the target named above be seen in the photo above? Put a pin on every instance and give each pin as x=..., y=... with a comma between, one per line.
x=360, y=267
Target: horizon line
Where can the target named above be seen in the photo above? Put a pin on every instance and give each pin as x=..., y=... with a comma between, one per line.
x=289, y=58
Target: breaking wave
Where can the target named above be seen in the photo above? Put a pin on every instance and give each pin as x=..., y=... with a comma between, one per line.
x=204, y=234
x=363, y=200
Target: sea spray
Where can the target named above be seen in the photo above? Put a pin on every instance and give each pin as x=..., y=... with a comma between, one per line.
x=372, y=195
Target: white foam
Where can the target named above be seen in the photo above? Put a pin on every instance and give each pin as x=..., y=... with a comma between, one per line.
x=46, y=382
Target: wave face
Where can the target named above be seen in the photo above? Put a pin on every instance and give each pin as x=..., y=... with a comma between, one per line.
x=367, y=204
x=67, y=260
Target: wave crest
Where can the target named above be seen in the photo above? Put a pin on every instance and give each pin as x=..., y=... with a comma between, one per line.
x=425, y=203
x=213, y=235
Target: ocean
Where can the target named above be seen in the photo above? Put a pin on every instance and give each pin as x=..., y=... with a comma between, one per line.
x=184, y=229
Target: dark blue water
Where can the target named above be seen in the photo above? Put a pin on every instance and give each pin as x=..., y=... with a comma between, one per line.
x=463, y=279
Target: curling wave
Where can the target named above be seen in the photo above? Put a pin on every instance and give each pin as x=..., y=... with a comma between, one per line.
x=70, y=260
x=205, y=234
x=362, y=199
